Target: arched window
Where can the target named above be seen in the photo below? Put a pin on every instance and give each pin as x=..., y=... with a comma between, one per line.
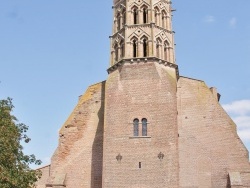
x=166, y=53
x=156, y=20
x=157, y=50
x=166, y=49
x=145, y=48
x=163, y=19
x=124, y=17
x=135, y=15
x=118, y=22
x=145, y=15
x=136, y=127
x=116, y=52
x=134, y=48
x=122, y=49
x=144, y=127
x=156, y=15
x=158, y=47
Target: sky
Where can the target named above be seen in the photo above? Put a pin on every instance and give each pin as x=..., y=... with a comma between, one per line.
x=52, y=50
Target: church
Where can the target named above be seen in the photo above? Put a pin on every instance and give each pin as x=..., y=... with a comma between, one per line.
x=147, y=126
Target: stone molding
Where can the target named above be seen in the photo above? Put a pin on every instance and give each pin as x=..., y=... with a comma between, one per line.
x=143, y=60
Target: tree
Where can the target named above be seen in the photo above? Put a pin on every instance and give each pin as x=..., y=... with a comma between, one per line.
x=14, y=164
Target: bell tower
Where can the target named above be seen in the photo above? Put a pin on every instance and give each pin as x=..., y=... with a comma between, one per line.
x=142, y=29
x=146, y=127
x=140, y=123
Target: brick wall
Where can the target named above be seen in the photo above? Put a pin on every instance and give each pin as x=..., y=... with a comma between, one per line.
x=45, y=175
x=77, y=162
x=140, y=90
x=209, y=147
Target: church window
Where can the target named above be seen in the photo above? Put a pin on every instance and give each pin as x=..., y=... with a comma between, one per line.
x=140, y=129
x=156, y=18
x=134, y=48
x=157, y=50
x=135, y=15
x=122, y=48
x=116, y=52
x=124, y=17
x=158, y=47
x=139, y=164
x=145, y=48
x=144, y=127
x=156, y=15
x=136, y=127
x=118, y=22
x=145, y=15
x=163, y=19
x=166, y=49
x=165, y=53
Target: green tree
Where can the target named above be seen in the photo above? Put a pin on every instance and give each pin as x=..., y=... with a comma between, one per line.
x=14, y=164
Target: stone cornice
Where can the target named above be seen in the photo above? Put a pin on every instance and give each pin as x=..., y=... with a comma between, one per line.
x=143, y=60
x=141, y=26
x=118, y=32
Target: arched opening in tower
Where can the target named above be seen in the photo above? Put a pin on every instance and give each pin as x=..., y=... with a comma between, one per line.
x=135, y=14
x=145, y=15
x=134, y=48
x=145, y=48
x=116, y=52
x=122, y=48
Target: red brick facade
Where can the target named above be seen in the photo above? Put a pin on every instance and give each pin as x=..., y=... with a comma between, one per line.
x=146, y=126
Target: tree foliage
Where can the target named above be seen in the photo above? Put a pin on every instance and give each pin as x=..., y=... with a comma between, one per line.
x=14, y=164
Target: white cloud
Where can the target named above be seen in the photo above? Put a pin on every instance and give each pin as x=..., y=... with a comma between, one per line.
x=233, y=22
x=240, y=111
x=243, y=122
x=244, y=135
x=243, y=127
x=239, y=108
x=209, y=19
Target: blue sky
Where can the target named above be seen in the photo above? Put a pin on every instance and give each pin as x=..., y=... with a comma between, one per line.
x=51, y=50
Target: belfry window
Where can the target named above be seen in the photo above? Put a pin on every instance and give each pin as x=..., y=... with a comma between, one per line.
x=124, y=17
x=144, y=127
x=166, y=50
x=122, y=49
x=163, y=19
x=157, y=50
x=135, y=15
x=158, y=47
x=165, y=53
x=116, y=52
x=145, y=48
x=145, y=15
x=156, y=21
x=118, y=22
x=136, y=127
x=134, y=48
x=156, y=15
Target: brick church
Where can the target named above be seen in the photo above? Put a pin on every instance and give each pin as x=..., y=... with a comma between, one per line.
x=147, y=126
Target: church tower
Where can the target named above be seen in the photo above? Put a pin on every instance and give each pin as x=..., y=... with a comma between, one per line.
x=142, y=29
x=140, y=123
x=146, y=126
